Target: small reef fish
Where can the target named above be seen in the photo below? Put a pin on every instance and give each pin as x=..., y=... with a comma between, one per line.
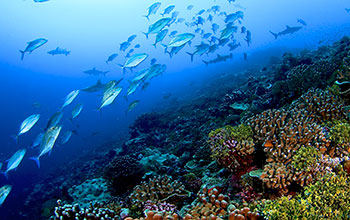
x=133, y=105
x=131, y=38
x=167, y=10
x=134, y=61
x=4, y=192
x=288, y=30
x=157, y=26
x=95, y=72
x=70, y=98
x=218, y=59
x=27, y=124
x=47, y=142
x=111, y=58
x=59, y=51
x=152, y=9
x=94, y=88
x=160, y=36
x=301, y=21
x=54, y=120
x=32, y=45
x=76, y=110
x=180, y=39
x=66, y=136
x=14, y=161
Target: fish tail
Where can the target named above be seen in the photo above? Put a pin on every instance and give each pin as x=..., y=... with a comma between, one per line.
x=206, y=63
x=36, y=159
x=123, y=69
x=146, y=16
x=274, y=34
x=171, y=56
x=22, y=52
x=155, y=45
x=191, y=54
x=145, y=34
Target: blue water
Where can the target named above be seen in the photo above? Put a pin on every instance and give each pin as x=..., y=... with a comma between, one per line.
x=93, y=30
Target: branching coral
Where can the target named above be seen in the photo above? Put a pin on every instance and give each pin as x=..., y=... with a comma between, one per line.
x=232, y=147
x=340, y=136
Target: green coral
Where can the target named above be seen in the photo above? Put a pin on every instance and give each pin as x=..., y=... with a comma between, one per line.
x=306, y=158
x=328, y=198
x=340, y=133
x=239, y=133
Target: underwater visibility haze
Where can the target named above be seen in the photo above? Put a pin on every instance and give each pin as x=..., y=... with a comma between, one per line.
x=188, y=109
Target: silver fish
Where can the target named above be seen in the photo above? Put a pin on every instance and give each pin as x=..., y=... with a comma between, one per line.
x=227, y=32
x=47, y=143
x=15, y=160
x=70, y=98
x=54, y=120
x=32, y=45
x=168, y=10
x=132, y=87
x=76, y=110
x=37, y=140
x=111, y=58
x=133, y=105
x=160, y=36
x=157, y=26
x=131, y=38
x=27, y=124
x=66, y=136
x=4, y=192
x=134, y=60
x=180, y=40
x=152, y=9
x=110, y=97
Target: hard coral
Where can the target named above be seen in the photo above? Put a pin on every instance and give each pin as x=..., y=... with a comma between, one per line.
x=232, y=147
x=123, y=173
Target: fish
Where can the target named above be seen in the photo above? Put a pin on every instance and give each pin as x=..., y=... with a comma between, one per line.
x=157, y=26
x=59, y=51
x=180, y=39
x=134, y=61
x=94, y=88
x=190, y=7
x=66, y=136
x=174, y=50
x=140, y=75
x=129, y=53
x=76, y=110
x=215, y=27
x=248, y=38
x=137, y=46
x=172, y=34
x=27, y=124
x=174, y=16
x=207, y=35
x=301, y=21
x=210, y=18
x=152, y=9
x=4, y=192
x=243, y=30
x=132, y=105
x=131, y=38
x=245, y=56
x=37, y=140
x=124, y=46
x=153, y=61
x=347, y=10
x=215, y=8
x=132, y=87
x=213, y=48
x=234, y=16
x=95, y=72
x=200, y=50
x=213, y=40
x=288, y=30
x=70, y=98
x=109, y=97
x=197, y=31
x=222, y=13
x=233, y=46
x=155, y=70
x=180, y=20
x=33, y=45
x=111, y=58
x=201, y=12
x=47, y=143
x=200, y=21
x=14, y=161
x=223, y=42
x=54, y=120
x=167, y=10
x=160, y=36
x=227, y=32
x=218, y=59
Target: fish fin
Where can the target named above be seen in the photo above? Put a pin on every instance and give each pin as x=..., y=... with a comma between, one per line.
x=146, y=16
x=22, y=52
x=191, y=54
x=206, y=63
x=15, y=137
x=155, y=45
x=287, y=27
x=145, y=34
x=274, y=34
x=5, y=174
x=36, y=159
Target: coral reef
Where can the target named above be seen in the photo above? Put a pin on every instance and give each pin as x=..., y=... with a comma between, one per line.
x=123, y=173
